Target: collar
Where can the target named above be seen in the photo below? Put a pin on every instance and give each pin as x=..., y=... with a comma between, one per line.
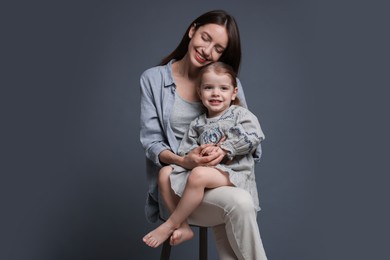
x=168, y=73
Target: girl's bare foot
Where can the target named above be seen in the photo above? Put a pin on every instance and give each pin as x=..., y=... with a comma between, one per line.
x=181, y=234
x=158, y=235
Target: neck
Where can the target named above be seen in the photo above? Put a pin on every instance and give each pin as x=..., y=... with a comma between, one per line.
x=211, y=115
x=185, y=69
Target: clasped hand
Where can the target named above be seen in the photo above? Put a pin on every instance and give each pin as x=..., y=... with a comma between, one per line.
x=205, y=155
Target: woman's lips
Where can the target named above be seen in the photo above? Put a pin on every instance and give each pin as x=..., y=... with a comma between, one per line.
x=200, y=58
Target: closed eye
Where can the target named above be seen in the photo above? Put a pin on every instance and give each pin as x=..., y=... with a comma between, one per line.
x=219, y=50
x=206, y=37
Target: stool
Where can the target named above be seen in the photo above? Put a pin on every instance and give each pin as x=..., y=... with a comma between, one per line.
x=166, y=249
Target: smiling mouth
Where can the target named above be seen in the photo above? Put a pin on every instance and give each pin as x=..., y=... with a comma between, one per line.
x=215, y=102
x=200, y=58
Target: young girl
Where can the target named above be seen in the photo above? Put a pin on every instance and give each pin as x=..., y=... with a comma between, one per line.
x=234, y=133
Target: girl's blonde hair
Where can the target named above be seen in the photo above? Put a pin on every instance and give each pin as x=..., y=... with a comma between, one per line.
x=221, y=68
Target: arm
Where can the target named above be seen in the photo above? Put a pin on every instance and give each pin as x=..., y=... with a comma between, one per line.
x=190, y=153
x=187, y=144
x=192, y=159
x=241, y=95
x=245, y=136
x=152, y=134
x=190, y=140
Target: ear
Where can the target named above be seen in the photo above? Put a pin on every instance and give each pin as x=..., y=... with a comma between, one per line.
x=192, y=31
x=235, y=91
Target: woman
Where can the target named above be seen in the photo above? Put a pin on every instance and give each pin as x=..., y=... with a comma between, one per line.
x=169, y=102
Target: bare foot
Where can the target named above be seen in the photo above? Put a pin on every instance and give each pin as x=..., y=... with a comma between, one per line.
x=180, y=235
x=158, y=235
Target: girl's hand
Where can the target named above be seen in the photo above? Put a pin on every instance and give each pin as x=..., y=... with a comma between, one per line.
x=213, y=155
x=197, y=158
x=215, y=151
x=210, y=150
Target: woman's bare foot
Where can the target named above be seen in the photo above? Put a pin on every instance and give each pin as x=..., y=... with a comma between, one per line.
x=158, y=235
x=181, y=234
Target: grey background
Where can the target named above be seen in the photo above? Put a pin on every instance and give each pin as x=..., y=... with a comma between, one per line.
x=72, y=169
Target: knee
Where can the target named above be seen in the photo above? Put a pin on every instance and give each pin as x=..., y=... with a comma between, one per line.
x=196, y=176
x=242, y=203
x=163, y=176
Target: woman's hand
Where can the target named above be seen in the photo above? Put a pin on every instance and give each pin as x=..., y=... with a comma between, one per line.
x=195, y=158
x=204, y=155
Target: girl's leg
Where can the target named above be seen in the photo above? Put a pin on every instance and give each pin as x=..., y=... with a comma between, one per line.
x=199, y=179
x=184, y=232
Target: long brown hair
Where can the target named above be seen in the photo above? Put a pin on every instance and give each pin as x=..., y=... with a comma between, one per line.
x=232, y=53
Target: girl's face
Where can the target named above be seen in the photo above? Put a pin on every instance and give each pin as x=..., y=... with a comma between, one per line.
x=208, y=42
x=216, y=92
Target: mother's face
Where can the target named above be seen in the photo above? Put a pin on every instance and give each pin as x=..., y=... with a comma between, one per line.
x=207, y=44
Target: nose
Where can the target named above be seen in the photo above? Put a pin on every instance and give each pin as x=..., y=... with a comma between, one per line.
x=207, y=50
x=215, y=92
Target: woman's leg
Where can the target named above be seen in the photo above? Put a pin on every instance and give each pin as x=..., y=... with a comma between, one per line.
x=231, y=213
x=199, y=179
x=225, y=251
x=184, y=232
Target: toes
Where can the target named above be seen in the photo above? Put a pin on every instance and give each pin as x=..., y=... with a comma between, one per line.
x=174, y=238
x=172, y=241
x=152, y=242
x=146, y=238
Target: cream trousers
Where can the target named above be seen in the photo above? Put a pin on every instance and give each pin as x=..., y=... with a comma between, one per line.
x=231, y=214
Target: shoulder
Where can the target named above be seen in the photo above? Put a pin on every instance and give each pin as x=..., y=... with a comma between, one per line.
x=198, y=121
x=238, y=109
x=238, y=82
x=153, y=72
x=202, y=118
x=159, y=75
x=242, y=111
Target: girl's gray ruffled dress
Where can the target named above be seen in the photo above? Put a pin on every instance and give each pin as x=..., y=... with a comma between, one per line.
x=243, y=134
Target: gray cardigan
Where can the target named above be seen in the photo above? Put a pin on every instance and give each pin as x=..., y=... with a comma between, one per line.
x=156, y=135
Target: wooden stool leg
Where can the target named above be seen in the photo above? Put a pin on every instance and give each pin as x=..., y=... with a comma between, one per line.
x=166, y=250
x=202, y=243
